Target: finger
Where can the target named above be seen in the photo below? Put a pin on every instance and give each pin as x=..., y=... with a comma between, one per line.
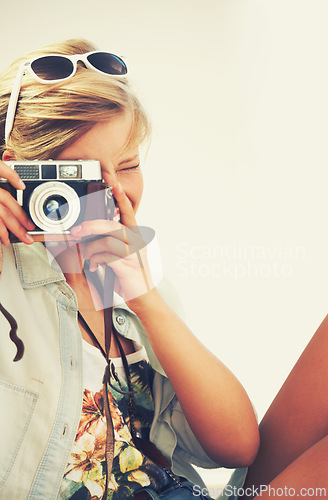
x=4, y=236
x=11, y=175
x=127, y=214
x=9, y=222
x=109, y=245
x=94, y=227
x=87, y=231
x=100, y=259
x=119, y=247
x=8, y=201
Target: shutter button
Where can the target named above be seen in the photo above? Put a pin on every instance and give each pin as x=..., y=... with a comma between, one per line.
x=120, y=320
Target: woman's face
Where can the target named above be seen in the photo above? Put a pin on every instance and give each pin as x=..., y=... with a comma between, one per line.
x=105, y=143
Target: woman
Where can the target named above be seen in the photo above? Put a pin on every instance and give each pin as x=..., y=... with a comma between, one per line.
x=70, y=430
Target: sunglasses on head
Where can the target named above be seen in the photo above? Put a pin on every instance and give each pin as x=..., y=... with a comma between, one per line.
x=55, y=68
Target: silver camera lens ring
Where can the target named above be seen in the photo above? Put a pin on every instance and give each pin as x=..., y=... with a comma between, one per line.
x=36, y=206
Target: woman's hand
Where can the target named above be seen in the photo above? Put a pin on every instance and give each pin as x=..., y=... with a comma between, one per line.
x=12, y=216
x=120, y=245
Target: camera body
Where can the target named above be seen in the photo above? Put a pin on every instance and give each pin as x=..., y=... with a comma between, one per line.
x=61, y=194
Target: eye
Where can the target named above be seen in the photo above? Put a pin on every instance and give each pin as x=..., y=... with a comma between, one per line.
x=128, y=169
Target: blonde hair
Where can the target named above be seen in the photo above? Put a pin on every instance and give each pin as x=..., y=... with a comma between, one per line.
x=50, y=117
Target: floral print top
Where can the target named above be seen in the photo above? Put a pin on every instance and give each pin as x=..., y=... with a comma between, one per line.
x=84, y=476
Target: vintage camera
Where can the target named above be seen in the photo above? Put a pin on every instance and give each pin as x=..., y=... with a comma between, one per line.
x=61, y=194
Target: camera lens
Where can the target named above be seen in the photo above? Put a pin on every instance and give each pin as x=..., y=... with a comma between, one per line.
x=55, y=207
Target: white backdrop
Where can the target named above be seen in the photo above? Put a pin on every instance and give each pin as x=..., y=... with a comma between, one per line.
x=236, y=175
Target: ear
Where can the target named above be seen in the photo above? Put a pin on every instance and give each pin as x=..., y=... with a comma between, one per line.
x=7, y=155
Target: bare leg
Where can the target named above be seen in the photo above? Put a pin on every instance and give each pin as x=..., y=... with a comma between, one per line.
x=298, y=417
x=306, y=477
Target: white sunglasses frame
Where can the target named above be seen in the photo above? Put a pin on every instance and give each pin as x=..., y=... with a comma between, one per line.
x=27, y=66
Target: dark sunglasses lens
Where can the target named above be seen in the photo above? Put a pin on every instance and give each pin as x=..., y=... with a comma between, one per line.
x=52, y=67
x=108, y=63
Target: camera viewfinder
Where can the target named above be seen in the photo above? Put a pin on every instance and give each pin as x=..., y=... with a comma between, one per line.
x=70, y=171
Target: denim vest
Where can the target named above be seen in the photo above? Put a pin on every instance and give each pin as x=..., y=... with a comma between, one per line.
x=41, y=395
